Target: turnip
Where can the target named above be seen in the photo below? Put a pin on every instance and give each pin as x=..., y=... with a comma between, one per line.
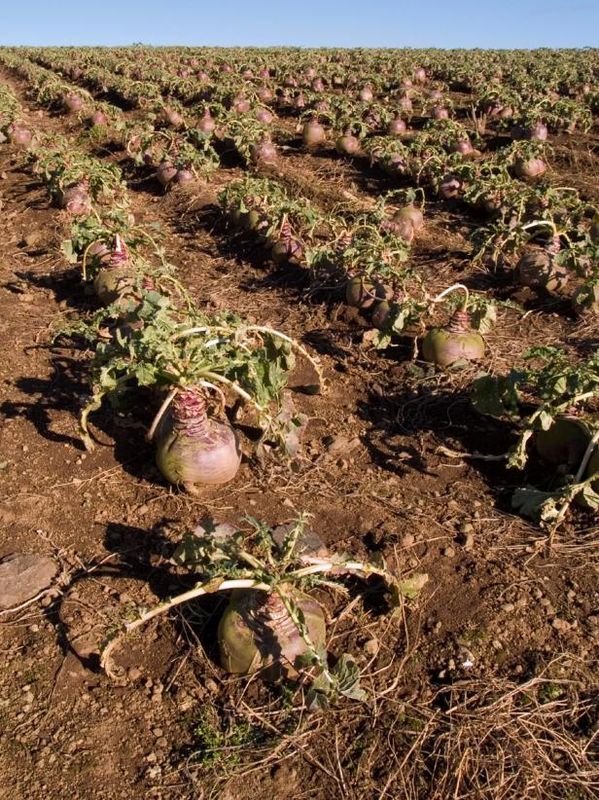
x=206, y=123
x=257, y=633
x=362, y=292
x=564, y=443
x=396, y=127
x=420, y=75
x=405, y=103
x=165, y=173
x=265, y=95
x=538, y=132
x=264, y=116
x=75, y=198
x=313, y=133
x=538, y=269
x=98, y=119
x=272, y=625
x=116, y=275
x=240, y=105
x=72, y=102
x=286, y=248
x=264, y=151
x=450, y=187
x=380, y=314
x=191, y=447
x=529, y=167
x=440, y=112
x=463, y=146
x=348, y=144
x=19, y=134
x=170, y=116
x=184, y=175
x=455, y=342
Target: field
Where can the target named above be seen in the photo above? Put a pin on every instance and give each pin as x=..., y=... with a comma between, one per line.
x=381, y=270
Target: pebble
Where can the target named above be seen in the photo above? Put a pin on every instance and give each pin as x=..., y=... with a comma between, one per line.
x=508, y=607
x=407, y=540
x=561, y=625
x=448, y=552
x=22, y=576
x=467, y=541
x=372, y=647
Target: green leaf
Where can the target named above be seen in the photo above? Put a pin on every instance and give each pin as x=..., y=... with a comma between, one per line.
x=535, y=504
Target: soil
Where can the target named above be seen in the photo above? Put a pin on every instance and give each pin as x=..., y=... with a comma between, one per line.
x=504, y=608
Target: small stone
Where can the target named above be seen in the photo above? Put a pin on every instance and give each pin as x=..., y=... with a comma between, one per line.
x=372, y=647
x=561, y=625
x=508, y=607
x=22, y=576
x=448, y=552
x=466, y=527
x=467, y=541
x=211, y=686
x=407, y=540
x=158, y=732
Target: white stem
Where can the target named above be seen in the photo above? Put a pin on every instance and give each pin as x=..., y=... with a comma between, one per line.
x=161, y=412
x=197, y=591
x=232, y=385
x=450, y=289
x=587, y=456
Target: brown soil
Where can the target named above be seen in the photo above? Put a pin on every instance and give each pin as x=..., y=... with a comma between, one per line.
x=376, y=479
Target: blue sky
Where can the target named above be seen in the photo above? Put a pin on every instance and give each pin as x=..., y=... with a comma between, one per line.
x=316, y=23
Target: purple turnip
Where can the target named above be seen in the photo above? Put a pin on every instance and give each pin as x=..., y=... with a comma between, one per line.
x=192, y=448
x=206, y=123
x=313, y=133
x=405, y=103
x=172, y=117
x=538, y=132
x=75, y=198
x=117, y=275
x=396, y=127
x=529, y=167
x=265, y=95
x=450, y=187
x=240, y=105
x=538, y=269
x=380, y=314
x=455, y=342
x=440, y=112
x=256, y=633
x=463, y=146
x=98, y=119
x=264, y=116
x=18, y=134
x=363, y=292
x=184, y=175
x=564, y=443
x=165, y=173
x=347, y=144
x=72, y=102
x=264, y=152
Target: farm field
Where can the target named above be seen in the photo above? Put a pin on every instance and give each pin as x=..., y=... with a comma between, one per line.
x=347, y=303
